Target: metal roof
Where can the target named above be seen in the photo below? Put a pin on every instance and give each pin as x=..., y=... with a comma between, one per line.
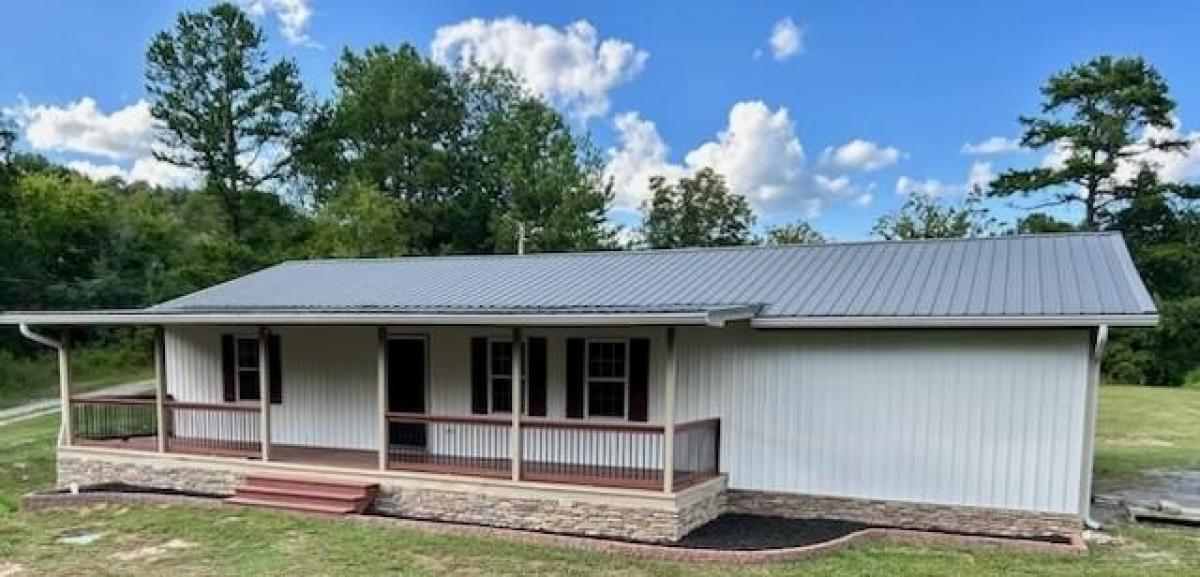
x=1085, y=278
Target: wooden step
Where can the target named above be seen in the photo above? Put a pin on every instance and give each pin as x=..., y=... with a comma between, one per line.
x=315, y=494
x=291, y=505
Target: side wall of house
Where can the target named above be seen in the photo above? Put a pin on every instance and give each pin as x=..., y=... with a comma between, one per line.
x=985, y=418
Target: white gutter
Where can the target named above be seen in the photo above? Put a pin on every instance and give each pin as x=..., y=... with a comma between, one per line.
x=1089, y=424
x=954, y=321
x=714, y=317
x=60, y=349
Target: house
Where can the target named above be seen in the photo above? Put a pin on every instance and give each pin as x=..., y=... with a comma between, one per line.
x=943, y=384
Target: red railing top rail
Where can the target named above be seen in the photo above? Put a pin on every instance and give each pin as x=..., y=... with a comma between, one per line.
x=112, y=400
x=544, y=423
x=236, y=407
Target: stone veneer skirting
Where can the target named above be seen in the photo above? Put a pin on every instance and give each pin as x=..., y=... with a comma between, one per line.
x=906, y=515
x=595, y=512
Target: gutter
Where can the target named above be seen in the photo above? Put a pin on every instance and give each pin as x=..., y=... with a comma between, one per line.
x=980, y=321
x=1089, y=431
x=61, y=349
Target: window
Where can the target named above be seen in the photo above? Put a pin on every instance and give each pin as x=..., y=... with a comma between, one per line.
x=500, y=377
x=607, y=378
x=248, y=369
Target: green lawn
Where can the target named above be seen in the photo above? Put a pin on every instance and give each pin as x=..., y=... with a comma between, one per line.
x=149, y=540
x=1142, y=428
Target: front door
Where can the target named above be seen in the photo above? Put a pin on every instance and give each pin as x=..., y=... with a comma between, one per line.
x=406, y=380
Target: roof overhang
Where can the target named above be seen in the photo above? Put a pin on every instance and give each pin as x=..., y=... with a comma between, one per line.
x=712, y=317
x=1146, y=320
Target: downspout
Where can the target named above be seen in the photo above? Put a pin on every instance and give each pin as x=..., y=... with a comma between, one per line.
x=57, y=346
x=1089, y=436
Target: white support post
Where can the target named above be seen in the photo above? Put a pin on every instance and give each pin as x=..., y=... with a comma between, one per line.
x=668, y=457
x=160, y=388
x=514, y=442
x=264, y=391
x=64, y=385
x=381, y=394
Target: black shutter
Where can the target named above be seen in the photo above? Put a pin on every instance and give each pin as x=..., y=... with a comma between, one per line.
x=575, y=378
x=479, y=375
x=275, y=365
x=536, y=356
x=639, y=379
x=228, y=368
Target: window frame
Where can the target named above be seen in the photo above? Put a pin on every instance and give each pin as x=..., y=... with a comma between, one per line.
x=238, y=368
x=588, y=378
x=491, y=376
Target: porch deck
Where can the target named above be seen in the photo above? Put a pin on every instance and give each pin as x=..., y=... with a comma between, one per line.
x=594, y=454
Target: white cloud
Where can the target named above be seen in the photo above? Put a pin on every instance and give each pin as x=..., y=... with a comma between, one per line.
x=979, y=176
x=992, y=145
x=293, y=16
x=1172, y=166
x=787, y=39
x=570, y=67
x=146, y=169
x=82, y=127
x=859, y=154
x=758, y=152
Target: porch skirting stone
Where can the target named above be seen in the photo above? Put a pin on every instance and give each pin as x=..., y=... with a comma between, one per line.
x=653, y=519
x=906, y=515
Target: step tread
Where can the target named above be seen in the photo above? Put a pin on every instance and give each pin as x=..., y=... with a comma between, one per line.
x=278, y=504
x=341, y=483
x=309, y=493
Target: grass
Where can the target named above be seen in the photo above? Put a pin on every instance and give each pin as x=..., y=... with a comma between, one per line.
x=1142, y=428
x=23, y=380
x=144, y=540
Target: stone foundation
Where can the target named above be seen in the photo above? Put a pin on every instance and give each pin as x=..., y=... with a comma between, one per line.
x=621, y=514
x=904, y=515
x=181, y=476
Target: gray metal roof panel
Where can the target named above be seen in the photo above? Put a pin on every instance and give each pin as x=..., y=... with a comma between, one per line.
x=1065, y=274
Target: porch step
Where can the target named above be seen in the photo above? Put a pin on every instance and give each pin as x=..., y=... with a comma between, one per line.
x=313, y=494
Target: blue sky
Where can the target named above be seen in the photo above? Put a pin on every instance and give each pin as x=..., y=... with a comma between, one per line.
x=662, y=86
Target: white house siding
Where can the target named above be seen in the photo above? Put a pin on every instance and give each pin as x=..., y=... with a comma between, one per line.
x=989, y=418
x=329, y=380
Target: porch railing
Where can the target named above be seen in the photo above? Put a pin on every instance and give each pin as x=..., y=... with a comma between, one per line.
x=213, y=429
x=126, y=420
x=610, y=454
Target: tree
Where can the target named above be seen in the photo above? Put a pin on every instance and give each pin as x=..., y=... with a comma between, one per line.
x=8, y=136
x=225, y=109
x=359, y=221
x=799, y=232
x=923, y=216
x=1042, y=223
x=1093, y=113
x=696, y=211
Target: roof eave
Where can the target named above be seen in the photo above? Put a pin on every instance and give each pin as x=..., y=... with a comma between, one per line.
x=997, y=321
x=716, y=317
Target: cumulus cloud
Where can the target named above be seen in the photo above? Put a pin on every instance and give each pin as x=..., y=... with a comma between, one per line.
x=758, y=152
x=293, y=16
x=992, y=145
x=787, y=39
x=125, y=135
x=568, y=66
x=82, y=127
x=861, y=155
x=1171, y=166
x=978, y=177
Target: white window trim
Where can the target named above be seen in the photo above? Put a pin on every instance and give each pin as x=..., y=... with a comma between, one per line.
x=238, y=368
x=491, y=387
x=587, y=378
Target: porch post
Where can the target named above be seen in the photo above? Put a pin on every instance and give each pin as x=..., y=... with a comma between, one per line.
x=264, y=392
x=668, y=457
x=381, y=395
x=64, y=386
x=514, y=441
x=160, y=388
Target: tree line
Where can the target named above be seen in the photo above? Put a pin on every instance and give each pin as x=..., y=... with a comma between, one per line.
x=406, y=157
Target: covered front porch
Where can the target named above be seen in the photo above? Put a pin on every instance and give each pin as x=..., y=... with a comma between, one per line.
x=406, y=399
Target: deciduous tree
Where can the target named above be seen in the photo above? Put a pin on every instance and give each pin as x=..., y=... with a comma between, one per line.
x=695, y=211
